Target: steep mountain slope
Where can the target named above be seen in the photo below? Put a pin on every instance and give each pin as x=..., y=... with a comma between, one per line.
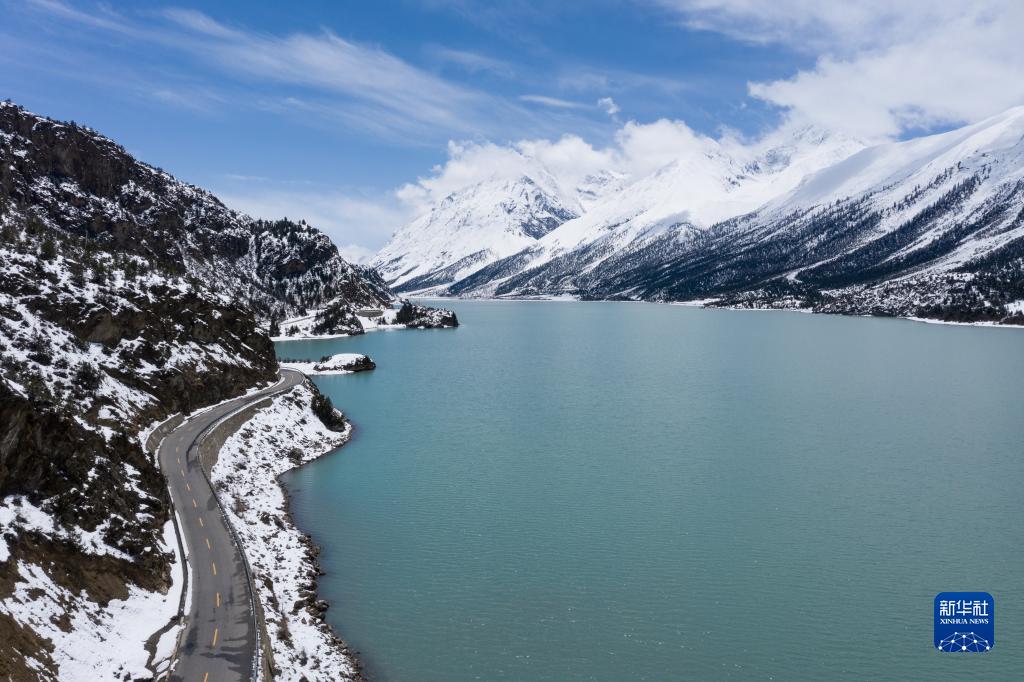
x=712, y=182
x=464, y=240
x=931, y=227
x=125, y=296
x=470, y=228
x=86, y=185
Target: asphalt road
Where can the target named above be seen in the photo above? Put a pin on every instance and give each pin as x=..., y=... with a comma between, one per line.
x=219, y=642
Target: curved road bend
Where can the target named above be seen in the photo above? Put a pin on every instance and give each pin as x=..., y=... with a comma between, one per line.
x=219, y=642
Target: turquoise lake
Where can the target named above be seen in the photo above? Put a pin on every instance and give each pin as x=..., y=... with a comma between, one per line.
x=616, y=491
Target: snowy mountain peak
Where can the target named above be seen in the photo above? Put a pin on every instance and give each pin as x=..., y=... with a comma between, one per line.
x=707, y=182
x=929, y=227
x=474, y=226
x=597, y=186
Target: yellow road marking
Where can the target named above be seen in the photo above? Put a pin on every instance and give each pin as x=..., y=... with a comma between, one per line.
x=213, y=564
x=218, y=600
x=208, y=545
x=206, y=677
x=201, y=524
x=188, y=487
x=194, y=505
x=216, y=631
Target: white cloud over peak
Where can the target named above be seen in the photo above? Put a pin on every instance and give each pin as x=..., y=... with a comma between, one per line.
x=883, y=68
x=637, y=150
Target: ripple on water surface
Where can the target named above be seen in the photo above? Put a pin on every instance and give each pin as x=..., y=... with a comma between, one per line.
x=631, y=491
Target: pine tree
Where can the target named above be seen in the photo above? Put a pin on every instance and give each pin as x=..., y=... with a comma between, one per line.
x=48, y=249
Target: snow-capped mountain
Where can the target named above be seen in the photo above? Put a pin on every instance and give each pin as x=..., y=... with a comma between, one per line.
x=928, y=227
x=483, y=224
x=472, y=227
x=596, y=186
x=931, y=227
x=712, y=182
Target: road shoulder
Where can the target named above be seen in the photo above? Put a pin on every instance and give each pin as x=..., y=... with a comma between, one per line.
x=256, y=447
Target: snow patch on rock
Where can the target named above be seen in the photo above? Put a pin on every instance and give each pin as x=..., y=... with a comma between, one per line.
x=340, y=363
x=90, y=641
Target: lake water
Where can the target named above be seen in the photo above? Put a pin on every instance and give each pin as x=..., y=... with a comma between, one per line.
x=610, y=491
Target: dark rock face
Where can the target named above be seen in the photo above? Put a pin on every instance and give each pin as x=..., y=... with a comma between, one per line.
x=337, y=318
x=415, y=316
x=125, y=296
x=84, y=184
x=47, y=457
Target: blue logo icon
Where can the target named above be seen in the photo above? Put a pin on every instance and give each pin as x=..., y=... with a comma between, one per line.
x=965, y=622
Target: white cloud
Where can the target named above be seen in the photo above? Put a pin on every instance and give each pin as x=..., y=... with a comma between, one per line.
x=883, y=67
x=468, y=163
x=339, y=80
x=472, y=62
x=638, y=149
x=810, y=25
x=369, y=76
x=551, y=101
x=643, y=148
x=354, y=253
x=609, y=106
x=195, y=99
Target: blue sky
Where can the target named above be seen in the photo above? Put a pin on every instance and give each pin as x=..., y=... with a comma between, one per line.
x=324, y=109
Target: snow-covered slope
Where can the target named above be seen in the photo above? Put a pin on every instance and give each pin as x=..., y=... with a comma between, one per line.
x=892, y=170
x=125, y=296
x=276, y=438
x=86, y=185
x=473, y=227
x=714, y=181
x=930, y=227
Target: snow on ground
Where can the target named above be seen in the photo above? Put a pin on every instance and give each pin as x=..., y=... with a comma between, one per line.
x=35, y=347
x=301, y=327
x=339, y=363
x=90, y=642
x=277, y=438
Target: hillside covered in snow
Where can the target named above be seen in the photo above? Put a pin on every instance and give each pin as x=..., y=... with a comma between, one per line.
x=473, y=227
x=931, y=227
x=126, y=296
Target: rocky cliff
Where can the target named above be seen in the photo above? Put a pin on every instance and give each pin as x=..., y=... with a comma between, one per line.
x=125, y=296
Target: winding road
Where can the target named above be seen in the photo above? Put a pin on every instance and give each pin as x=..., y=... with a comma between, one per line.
x=220, y=641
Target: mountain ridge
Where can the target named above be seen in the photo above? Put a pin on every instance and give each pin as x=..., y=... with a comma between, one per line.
x=928, y=227
x=471, y=227
x=126, y=296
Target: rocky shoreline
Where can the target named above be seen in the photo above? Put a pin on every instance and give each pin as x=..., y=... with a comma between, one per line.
x=313, y=601
x=278, y=437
